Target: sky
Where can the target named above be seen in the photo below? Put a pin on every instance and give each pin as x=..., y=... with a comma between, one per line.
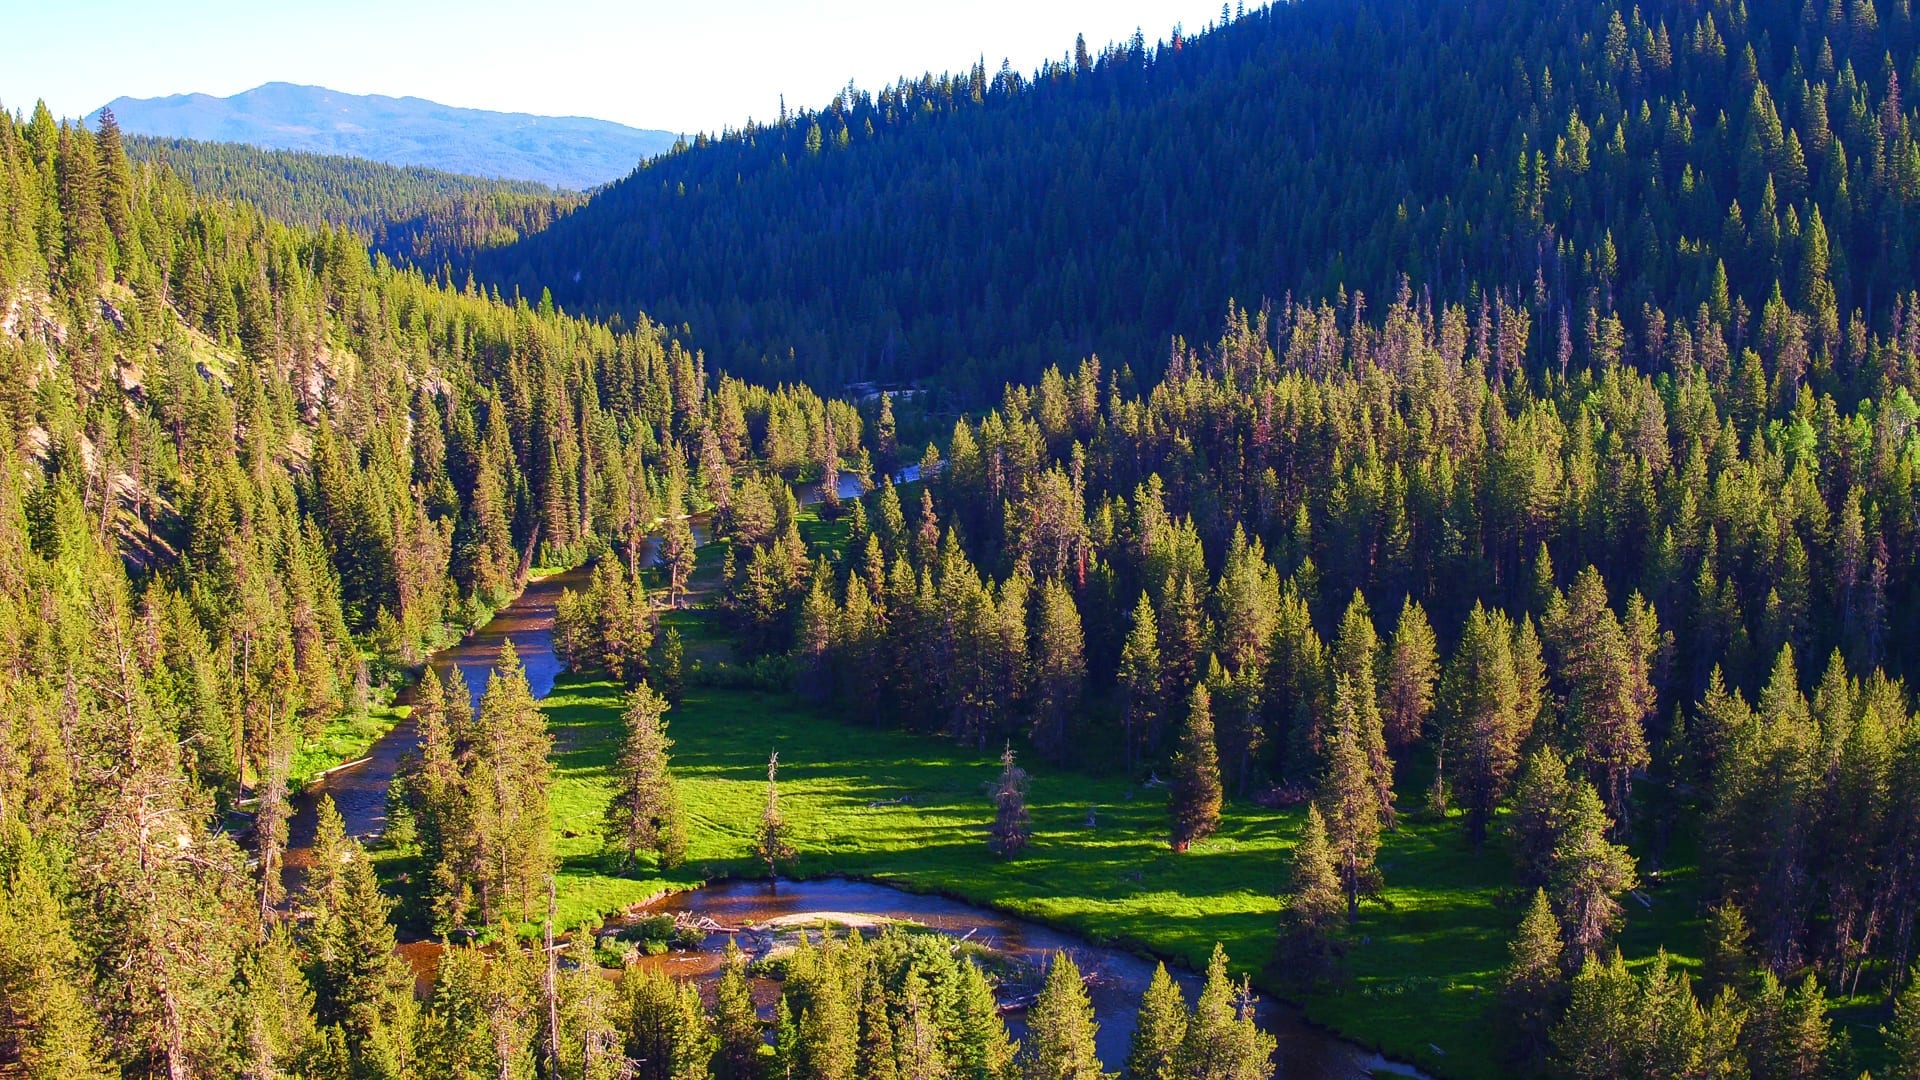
x=690, y=65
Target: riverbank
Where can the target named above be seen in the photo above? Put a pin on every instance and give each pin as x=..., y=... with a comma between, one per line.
x=1423, y=964
x=349, y=737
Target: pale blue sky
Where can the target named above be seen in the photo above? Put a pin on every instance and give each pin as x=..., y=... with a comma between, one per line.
x=683, y=66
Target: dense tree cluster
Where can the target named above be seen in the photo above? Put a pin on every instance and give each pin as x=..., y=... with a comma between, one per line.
x=1577, y=165
x=248, y=472
x=430, y=219
x=1223, y=540
x=477, y=791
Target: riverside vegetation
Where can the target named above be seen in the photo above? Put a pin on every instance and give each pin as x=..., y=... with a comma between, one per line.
x=1504, y=653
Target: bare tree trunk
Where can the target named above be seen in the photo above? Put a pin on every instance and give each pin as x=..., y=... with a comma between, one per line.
x=553, y=1000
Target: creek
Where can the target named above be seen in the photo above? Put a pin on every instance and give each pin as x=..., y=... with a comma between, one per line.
x=766, y=910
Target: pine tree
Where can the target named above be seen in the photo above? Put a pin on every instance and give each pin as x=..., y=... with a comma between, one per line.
x=274, y=1009
x=672, y=660
x=366, y=988
x=1903, y=1031
x=1727, y=963
x=1356, y=652
x=668, y=1033
x=1413, y=667
x=736, y=1022
x=981, y=1047
x=829, y=1024
x=1589, y=874
x=1594, y=1039
x=48, y=1028
x=1605, y=675
x=1059, y=669
x=1012, y=829
x=1312, y=905
x=1485, y=724
x=770, y=844
x=1139, y=679
x=1061, y=1028
x=814, y=645
x=1222, y=1041
x=876, y=1060
x=644, y=812
x=1193, y=798
x=1159, y=1030
x=1351, y=805
x=1788, y=1035
x=1540, y=803
x=509, y=778
x=678, y=545
x=1533, y=983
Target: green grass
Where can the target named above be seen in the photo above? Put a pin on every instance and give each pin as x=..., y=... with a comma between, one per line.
x=347, y=738
x=1423, y=962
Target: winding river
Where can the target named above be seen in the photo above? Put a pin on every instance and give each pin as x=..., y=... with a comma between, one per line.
x=1115, y=977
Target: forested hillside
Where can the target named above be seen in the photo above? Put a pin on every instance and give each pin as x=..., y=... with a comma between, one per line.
x=575, y=152
x=424, y=217
x=1478, y=579
x=1576, y=161
x=248, y=475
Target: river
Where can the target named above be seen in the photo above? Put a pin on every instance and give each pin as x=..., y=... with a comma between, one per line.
x=360, y=791
x=1115, y=977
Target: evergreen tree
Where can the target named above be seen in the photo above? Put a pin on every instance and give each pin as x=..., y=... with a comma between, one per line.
x=668, y=1033
x=736, y=1022
x=1903, y=1032
x=672, y=680
x=1222, y=1040
x=1604, y=673
x=1485, y=724
x=1159, y=1030
x=1139, y=679
x=981, y=1048
x=1351, y=805
x=1595, y=1039
x=274, y=1022
x=1193, y=798
x=1533, y=984
x=1788, y=1035
x=508, y=784
x=1356, y=653
x=1589, y=874
x=1412, y=669
x=365, y=988
x=770, y=844
x=1540, y=805
x=877, y=1059
x=1727, y=964
x=47, y=1027
x=1061, y=1028
x=644, y=812
x=1059, y=669
x=1313, y=903
x=1012, y=830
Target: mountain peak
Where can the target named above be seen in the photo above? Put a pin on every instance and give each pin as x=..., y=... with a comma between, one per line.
x=564, y=151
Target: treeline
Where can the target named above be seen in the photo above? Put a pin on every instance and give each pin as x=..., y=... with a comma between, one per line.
x=421, y=217
x=249, y=474
x=1327, y=553
x=1580, y=162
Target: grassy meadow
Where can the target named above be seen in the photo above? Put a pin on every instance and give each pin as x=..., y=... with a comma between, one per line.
x=1422, y=960
x=913, y=810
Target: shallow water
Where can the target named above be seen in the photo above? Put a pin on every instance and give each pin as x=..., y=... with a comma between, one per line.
x=1115, y=978
x=360, y=791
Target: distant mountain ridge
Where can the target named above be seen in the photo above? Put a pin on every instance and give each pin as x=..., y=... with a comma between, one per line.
x=563, y=151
